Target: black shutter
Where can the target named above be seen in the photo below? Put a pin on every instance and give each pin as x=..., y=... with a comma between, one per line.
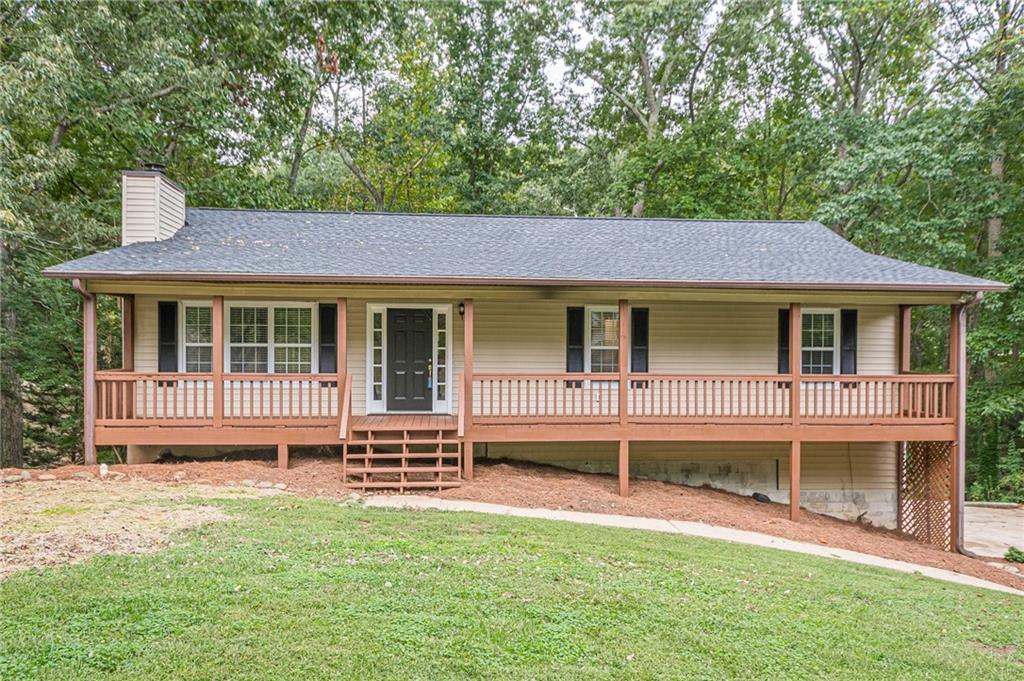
x=639, y=350
x=328, y=338
x=847, y=341
x=167, y=343
x=574, y=339
x=784, y=341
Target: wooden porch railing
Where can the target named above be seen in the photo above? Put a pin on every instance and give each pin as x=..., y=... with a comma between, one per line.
x=524, y=398
x=187, y=399
x=924, y=399
x=128, y=398
x=280, y=399
x=760, y=399
x=669, y=398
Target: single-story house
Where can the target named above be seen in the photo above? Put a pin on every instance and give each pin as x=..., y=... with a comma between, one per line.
x=753, y=356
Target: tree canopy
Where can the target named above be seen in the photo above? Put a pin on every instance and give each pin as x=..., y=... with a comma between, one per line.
x=898, y=124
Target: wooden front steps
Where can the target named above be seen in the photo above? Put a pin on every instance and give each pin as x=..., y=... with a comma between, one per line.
x=402, y=454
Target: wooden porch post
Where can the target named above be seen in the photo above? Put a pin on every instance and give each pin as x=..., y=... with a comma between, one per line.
x=957, y=368
x=623, y=467
x=341, y=342
x=795, y=365
x=466, y=398
x=904, y=339
x=795, y=338
x=282, y=456
x=794, y=480
x=218, y=361
x=88, y=371
x=341, y=363
x=128, y=333
x=623, y=395
x=623, y=361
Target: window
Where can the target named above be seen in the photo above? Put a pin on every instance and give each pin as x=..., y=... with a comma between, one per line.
x=378, y=355
x=818, y=343
x=254, y=346
x=293, y=340
x=603, y=340
x=441, y=364
x=198, y=338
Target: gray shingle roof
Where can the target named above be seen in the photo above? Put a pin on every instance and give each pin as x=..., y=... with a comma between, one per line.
x=291, y=245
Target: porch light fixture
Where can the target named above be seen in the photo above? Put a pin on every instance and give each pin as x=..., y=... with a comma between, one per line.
x=462, y=309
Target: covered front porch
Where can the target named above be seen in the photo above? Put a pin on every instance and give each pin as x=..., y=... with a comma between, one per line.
x=344, y=401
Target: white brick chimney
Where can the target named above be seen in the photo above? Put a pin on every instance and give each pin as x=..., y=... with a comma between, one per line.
x=152, y=206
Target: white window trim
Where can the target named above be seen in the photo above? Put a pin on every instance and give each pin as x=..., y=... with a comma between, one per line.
x=314, y=321
x=836, y=340
x=373, y=406
x=182, y=304
x=629, y=336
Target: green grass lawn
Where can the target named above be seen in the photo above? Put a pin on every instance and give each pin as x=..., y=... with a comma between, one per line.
x=303, y=589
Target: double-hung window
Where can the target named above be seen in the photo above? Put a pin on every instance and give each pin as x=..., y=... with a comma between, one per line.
x=602, y=351
x=819, y=342
x=197, y=338
x=293, y=340
x=270, y=339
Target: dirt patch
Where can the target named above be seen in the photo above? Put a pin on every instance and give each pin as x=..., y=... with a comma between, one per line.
x=999, y=651
x=537, y=486
x=50, y=523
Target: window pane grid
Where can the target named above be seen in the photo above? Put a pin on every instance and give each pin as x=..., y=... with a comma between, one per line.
x=198, y=338
x=442, y=356
x=818, y=335
x=256, y=347
x=249, y=359
x=604, y=341
x=378, y=356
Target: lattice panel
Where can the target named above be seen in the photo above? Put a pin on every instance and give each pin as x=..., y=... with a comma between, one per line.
x=925, y=480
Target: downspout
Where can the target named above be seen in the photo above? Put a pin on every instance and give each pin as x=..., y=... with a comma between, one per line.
x=961, y=422
x=88, y=370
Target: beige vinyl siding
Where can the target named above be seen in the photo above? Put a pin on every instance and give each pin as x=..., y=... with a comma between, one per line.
x=685, y=337
x=171, y=209
x=877, y=339
x=138, y=209
x=146, y=330
x=151, y=208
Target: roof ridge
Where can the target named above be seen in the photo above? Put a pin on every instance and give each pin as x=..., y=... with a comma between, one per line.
x=609, y=218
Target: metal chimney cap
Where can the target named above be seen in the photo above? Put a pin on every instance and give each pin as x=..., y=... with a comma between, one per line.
x=155, y=167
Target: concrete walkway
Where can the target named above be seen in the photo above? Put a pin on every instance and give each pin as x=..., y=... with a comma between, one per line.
x=684, y=527
x=990, y=530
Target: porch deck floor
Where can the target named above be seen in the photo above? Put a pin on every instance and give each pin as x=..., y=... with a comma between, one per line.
x=404, y=422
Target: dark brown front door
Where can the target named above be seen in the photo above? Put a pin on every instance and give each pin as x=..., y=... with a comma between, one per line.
x=410, y=357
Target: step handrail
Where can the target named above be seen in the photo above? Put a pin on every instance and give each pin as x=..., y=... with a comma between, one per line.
x=345, y=408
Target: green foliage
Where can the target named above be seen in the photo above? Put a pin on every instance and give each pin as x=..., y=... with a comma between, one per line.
x=884, y=120
x=299, y=588
x=1014, y=555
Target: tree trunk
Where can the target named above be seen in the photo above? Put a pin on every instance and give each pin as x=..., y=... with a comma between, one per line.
x=998, y=168
x=638, y=199
x=995, y=222
x=300, y=140
x=11, y=414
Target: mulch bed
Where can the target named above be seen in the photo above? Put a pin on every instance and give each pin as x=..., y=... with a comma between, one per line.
x=538, y=486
